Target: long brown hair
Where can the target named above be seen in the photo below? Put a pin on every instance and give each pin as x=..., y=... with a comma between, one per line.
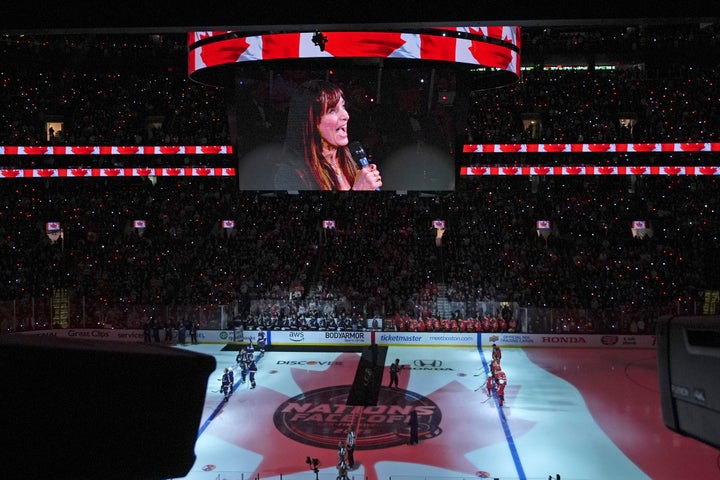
x=313, y=99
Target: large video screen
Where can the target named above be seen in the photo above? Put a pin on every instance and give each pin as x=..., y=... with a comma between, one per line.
x=316, y=129
x=364, y=111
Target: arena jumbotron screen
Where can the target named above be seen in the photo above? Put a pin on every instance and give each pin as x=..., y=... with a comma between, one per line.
x=393, y=99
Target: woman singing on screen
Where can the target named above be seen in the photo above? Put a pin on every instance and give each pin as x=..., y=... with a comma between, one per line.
x=317, y=136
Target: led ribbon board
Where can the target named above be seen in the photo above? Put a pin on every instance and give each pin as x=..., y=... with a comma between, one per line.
x=497, y=47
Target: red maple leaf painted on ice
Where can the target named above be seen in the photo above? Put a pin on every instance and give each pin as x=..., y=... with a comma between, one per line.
x=444, y=447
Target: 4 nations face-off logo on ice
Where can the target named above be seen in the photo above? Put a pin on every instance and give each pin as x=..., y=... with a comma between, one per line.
x=322, y=417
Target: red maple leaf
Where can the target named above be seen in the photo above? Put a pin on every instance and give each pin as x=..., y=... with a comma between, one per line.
x=10, y=173
x=643, y=147
x=555, y=147
x=111, y=172
x=510, y=170
x=672, y=170
x=170, y=150
x=573, y=170
x=35, y=150
x=211, y=148
x=692, y=147
x=82, y=150
x=274, y=447
x=541, y=170
x=510, y=147
x=79, y=172
x=637, y=170
x=203, y=172
x=144, y=171
x=46, y=172
x=128, y=150
x=489, y=54
x=708, y=170
x=599, y=147
x=606, y=170
x=173, y=172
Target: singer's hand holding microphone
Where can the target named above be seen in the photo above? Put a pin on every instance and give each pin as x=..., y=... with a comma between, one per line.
x=368, y=178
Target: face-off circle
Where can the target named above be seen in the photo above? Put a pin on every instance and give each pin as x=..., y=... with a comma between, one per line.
x=322, y=417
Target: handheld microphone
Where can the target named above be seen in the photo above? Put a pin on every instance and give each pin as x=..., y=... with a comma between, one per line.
x=358, y=154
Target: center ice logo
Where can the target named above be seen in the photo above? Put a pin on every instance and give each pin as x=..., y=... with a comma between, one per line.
x=321, y=418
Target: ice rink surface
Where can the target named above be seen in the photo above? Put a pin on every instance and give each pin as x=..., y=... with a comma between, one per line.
x=583, y=414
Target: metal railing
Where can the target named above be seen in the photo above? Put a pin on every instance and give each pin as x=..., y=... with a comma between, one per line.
x=40, y=313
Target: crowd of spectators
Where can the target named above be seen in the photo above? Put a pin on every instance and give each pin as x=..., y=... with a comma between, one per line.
x=106, y=87
x=664, y=43
x=382, y=260
x=580, y=107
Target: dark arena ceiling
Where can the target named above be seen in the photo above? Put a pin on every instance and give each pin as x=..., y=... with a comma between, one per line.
x=139, y=16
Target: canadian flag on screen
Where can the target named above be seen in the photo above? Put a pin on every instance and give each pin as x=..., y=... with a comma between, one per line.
x=328, y=223
x=52, y=226
x=638, y=224
x=438, y=223
x=542, y=224
x=139, y=224
x=228, y=223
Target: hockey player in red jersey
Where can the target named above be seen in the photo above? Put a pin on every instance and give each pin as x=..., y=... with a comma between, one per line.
x=500, y=383
x=494, y=366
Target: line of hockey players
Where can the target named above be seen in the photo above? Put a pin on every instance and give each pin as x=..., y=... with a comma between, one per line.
x=497, y=379
x=246, y=363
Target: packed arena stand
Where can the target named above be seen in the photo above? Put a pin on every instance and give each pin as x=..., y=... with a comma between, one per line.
x=382, y=260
